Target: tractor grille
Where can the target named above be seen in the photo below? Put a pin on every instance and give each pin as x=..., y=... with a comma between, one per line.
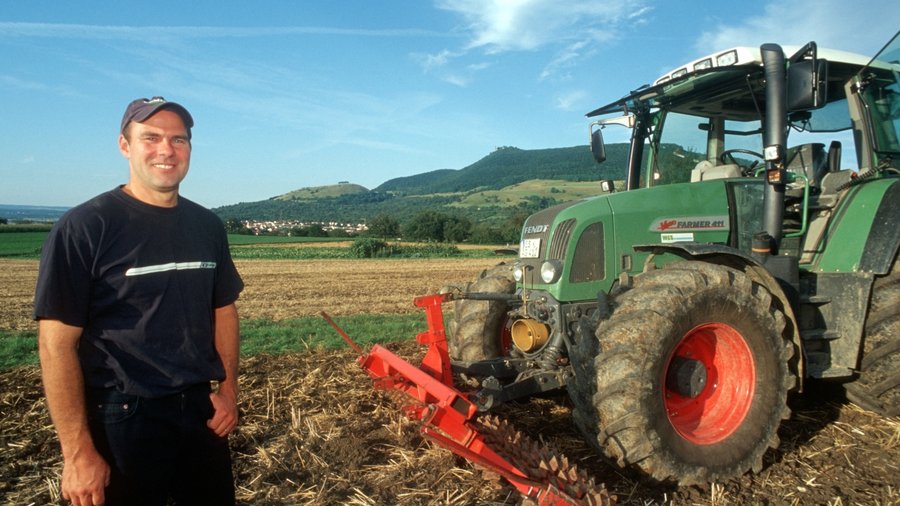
x=539, y=226
x=561, y=239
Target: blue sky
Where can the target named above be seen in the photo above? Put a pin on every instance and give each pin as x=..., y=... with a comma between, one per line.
x=290, y=94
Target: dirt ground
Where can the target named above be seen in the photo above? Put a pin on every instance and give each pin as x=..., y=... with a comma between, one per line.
x=281, y=289
x=313, y=431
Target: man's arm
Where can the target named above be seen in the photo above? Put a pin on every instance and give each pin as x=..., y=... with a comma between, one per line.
x=227, y=340
x=85, y=473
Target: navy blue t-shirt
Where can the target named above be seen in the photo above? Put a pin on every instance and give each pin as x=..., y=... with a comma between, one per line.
x=143, y=282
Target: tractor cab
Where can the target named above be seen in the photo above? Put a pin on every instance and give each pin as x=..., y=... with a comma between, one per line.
x=706, y=120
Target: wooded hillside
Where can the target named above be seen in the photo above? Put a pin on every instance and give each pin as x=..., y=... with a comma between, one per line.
x=446, y=189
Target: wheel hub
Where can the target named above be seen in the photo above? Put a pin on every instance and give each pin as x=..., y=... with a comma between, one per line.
x=686, y=376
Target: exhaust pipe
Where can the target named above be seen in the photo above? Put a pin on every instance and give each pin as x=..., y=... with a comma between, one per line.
x=774, y=139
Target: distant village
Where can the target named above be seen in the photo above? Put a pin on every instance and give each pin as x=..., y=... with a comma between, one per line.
x=297, y=228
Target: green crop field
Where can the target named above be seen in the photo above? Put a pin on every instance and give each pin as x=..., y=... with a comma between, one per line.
x=18, y=348
x=14, y=244
x=21, y=244
x=243, y=239
x=27, y=245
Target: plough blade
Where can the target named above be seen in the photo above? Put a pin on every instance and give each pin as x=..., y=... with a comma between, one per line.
x=449, y=418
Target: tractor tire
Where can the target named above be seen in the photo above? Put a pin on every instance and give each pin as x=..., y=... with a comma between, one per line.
x=878, y=387
x=477, y=329
x=691, y=376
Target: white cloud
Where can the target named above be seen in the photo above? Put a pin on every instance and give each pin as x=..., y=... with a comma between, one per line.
x=567, y=57
x=457, y=79
x=434, y=61
x=439, y=65
x=572, y=100
x=522, y=25
x=576, y=28
x=859, y=26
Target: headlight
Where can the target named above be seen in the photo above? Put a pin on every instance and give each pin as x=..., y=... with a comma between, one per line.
x=518, y=273
x=550, y=271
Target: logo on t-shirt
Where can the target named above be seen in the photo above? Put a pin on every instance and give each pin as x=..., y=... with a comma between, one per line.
x=172, y=266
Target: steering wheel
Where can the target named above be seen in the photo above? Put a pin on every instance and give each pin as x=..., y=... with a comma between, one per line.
x=727, y=156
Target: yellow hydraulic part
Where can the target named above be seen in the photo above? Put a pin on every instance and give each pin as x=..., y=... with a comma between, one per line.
x=529, y=335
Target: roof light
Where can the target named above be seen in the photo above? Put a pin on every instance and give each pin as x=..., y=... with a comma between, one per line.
x=731, y=57
x=727, y=58
x=703, y=64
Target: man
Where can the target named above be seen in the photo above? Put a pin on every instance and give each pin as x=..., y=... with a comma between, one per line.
x=138, y=330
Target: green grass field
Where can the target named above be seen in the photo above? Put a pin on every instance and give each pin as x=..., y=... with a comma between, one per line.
x=14, y=244
x=27, y=245
x=21, y=244
x=19, y=348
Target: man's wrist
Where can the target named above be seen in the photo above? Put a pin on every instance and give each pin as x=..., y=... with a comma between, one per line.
x=226, y=388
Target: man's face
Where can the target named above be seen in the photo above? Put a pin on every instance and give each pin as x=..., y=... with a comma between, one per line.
x=159, y=155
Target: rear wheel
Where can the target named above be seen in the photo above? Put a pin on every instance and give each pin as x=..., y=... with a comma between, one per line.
x=878, y=386
x=691, y=378
x=478, y=328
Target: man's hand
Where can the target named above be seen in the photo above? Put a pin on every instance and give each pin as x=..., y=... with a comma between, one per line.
x=225, y=416
x=224, y=400
x=84, y=478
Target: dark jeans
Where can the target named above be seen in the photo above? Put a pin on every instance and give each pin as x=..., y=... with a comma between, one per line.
x=161, y=449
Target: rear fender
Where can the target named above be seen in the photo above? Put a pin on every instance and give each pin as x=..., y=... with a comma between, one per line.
x=884, y=238
x=865, y=232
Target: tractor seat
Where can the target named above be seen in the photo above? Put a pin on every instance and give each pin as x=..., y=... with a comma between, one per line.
x=809, y=160
x=706, y=170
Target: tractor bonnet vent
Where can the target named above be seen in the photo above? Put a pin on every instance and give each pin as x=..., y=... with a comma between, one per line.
x=561, y=237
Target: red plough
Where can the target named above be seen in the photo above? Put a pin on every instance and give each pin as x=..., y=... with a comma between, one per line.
x=451, y=420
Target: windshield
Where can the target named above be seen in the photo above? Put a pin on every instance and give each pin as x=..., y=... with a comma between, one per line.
x=683, y=141
x=880, y=90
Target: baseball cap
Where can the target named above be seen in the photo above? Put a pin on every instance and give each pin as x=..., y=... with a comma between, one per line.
x=142, y=108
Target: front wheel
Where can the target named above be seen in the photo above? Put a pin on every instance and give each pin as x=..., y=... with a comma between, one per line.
x=691, y=378
x=478, y=328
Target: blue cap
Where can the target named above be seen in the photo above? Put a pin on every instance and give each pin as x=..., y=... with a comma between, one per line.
x=142, y=108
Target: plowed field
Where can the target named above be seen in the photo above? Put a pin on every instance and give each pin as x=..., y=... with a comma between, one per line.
x=313, y=431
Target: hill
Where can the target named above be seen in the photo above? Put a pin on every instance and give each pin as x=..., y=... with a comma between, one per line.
x=487, y=190
x=322, y=192
x=508, y=165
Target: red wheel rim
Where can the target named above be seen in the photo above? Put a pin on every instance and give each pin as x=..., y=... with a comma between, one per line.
x=722, y=405
x=506, y=342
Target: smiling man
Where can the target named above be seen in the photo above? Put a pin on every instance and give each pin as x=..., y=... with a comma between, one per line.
x=158, y=149
x=138, y=330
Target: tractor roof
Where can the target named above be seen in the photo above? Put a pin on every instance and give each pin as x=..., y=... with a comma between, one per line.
x=727, y=83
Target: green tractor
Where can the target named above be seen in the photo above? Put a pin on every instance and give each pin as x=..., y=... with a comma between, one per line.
x=750, y=245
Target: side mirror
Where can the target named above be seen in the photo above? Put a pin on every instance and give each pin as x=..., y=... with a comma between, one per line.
x=807, y=85
x=597, y=147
